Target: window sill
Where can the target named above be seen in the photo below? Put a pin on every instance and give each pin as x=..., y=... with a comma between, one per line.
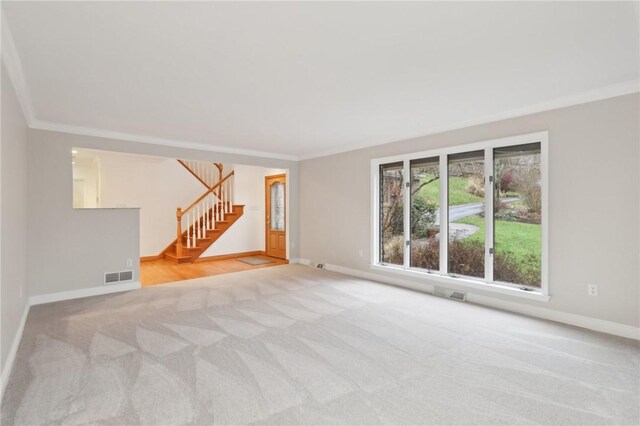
x=465, y=282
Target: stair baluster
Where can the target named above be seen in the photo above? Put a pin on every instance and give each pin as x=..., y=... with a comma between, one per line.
x=208, y=211
x=213, y=211
x=226, y=196
x=224, y=199
x=198, y=230
x=202, y=223
x=231, y=193
x=188, y=233
x=205, y=214
x=212, y=222
x=193, y=231
x=223, y=192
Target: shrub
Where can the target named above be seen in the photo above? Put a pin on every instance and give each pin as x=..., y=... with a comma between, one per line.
x=466, y=258
x=509, y=215
x=423, y=216
x=509, y=270
x=393, y=250
x=475, y=186
x=426, y=255
x=528, y=185
x=506, y=181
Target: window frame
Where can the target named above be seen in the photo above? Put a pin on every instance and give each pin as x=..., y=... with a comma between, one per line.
x=442, y=276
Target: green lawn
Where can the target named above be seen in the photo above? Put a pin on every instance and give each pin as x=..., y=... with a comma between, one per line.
x=457, y=192
x=519, y=239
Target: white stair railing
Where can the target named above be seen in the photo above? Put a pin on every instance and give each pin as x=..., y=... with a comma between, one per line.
x=201, y=216
x=208, y=173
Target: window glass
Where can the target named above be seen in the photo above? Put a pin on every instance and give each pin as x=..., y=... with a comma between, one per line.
x=425, y=213
x=517, y=215
x=391, y=214
x=466, y=214
x=277, y=207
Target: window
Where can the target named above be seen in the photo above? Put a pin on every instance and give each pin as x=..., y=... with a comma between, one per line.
x=425, y=213
x=517, y=201
x=391, y=214
x=466, y=185
x=488, y=198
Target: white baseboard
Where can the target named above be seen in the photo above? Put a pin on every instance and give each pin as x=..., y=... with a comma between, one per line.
x=609, y=327
x=84, y=292
x=8, y=365
x=298, y=261
x=603, y=326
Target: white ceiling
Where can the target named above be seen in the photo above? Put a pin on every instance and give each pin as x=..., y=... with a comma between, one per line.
x=304, y=79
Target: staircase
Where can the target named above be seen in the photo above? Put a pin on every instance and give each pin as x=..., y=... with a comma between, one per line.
x=200, y=224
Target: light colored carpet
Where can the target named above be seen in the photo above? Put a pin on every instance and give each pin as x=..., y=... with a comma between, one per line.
x=295, y=345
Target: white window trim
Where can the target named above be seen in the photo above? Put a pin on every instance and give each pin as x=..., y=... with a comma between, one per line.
x=486, y=284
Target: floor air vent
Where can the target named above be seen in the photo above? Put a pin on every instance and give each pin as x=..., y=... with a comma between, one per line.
x=460, y=296
x=117, y=277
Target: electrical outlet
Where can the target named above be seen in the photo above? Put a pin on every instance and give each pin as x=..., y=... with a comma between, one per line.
x=129, y=262
x=361, y=253
x=592, y=290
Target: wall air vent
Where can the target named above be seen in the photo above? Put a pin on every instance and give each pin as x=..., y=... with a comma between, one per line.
x=117, y=277
x=111, y=277
x=460, y=296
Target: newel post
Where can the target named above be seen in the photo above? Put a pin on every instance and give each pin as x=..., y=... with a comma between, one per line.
x=179, y=232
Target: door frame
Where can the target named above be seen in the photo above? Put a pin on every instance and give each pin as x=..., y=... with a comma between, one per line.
x=267, y=212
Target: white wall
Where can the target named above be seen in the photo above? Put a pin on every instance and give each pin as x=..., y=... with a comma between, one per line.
x=593, y=199
x=154, y=184
x=248, y=233
x=86, y=169
x=13, y=215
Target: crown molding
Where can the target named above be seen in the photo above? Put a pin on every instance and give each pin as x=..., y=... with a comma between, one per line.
x=625, y=88
x=620, y=89
x=14, y=68
x=109, y=134
x=13, y=65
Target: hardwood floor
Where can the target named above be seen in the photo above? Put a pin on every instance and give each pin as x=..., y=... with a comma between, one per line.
x=164, y=271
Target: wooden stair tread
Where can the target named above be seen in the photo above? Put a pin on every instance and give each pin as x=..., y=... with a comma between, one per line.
x=173, y=256
x=202, y=244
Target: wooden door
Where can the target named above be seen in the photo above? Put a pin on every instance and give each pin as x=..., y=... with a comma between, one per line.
x=276, y=215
